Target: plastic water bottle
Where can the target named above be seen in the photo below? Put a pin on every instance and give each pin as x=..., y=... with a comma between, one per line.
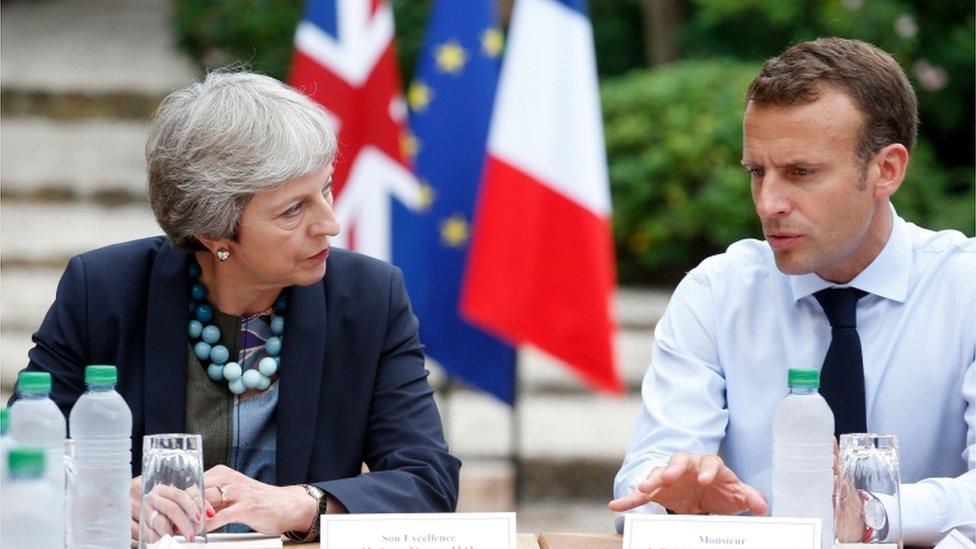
x=27, y=499
x=37, y=422
x=6, y=441
x=101, y=428
x=803, y=454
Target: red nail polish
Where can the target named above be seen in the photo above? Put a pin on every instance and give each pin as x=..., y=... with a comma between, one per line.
x=210, y=513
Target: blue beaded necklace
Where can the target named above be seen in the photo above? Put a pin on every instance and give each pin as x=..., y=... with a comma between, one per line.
x=204, y=337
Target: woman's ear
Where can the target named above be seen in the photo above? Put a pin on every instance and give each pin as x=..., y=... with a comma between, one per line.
x=213, y=244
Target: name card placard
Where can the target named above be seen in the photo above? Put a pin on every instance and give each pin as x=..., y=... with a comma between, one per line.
x=713, y=532
x=419, y=531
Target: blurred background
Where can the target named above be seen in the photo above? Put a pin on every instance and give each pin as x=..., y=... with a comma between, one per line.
x=79, y=79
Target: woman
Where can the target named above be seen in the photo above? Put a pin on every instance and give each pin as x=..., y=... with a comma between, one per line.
x=295, y=378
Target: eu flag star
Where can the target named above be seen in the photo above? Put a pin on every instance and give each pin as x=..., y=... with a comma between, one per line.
x=426, y=195
x=409, y=145
x=454, y=231
x=451, y=57
x=491, y=42
x=419, y=95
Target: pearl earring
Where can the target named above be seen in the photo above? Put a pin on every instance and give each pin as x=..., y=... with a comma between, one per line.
x=223, y=254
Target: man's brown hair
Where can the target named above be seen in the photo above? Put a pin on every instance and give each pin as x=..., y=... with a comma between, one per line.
x=871, y=77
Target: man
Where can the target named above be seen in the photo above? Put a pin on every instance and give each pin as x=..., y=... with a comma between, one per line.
x=828, y=129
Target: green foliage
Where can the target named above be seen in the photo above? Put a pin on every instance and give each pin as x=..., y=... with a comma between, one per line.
x=674, y=142
x=411, y=22
x=257, y=32
x=261, y=33
x=932, y=40
x=618, y=35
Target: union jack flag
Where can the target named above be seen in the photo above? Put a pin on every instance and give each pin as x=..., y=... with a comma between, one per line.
x=345, y=60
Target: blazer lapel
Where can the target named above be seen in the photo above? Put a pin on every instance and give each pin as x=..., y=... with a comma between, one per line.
x=300, y=379
x=166, y=343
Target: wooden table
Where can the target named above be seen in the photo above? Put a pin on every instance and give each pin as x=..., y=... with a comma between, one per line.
x=564, y=540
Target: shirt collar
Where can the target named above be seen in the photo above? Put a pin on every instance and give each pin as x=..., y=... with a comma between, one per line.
x=887, y=276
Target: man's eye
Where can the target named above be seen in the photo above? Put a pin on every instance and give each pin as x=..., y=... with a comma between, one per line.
x=802, y=172
x=757, y=172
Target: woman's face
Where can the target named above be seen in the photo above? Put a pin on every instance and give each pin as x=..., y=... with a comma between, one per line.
x=283, y=234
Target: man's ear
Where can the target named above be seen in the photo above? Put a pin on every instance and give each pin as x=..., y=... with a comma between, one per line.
x=888, y=169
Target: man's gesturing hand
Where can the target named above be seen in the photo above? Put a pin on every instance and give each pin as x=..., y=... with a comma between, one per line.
x=693, y=484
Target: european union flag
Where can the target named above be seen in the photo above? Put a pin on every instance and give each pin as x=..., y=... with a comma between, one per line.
x=450, y=103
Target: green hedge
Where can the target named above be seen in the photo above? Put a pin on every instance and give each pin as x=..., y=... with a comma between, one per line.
x=674, y=142
x=933, y=41
x=261, y=33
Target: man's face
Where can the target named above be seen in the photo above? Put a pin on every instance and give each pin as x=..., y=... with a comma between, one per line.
x=811, y=193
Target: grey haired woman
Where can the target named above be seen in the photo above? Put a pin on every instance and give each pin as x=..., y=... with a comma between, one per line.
x=298, y=363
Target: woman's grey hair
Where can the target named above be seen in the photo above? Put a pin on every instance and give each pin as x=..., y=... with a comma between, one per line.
x=216, y=143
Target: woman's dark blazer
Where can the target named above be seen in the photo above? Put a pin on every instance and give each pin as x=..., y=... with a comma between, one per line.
x=353, y=387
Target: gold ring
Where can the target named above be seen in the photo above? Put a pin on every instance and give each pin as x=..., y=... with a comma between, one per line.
x=223, y=494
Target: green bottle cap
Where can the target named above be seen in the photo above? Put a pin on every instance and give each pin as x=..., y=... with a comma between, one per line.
x=800, y=377
x=101, y=375
x=4, y=419
x=34, y=382
x=26, y=462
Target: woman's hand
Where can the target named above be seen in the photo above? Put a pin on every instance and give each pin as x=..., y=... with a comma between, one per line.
x=169, y=510
x=265, y=508
x=135, y=498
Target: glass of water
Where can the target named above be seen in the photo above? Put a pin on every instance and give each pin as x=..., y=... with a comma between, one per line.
x=172, y=506
x=867, y=502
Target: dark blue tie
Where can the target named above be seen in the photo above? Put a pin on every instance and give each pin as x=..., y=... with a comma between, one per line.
x=842, y=375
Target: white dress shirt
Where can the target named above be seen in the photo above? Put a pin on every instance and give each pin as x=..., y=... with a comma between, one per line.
x=736, y=324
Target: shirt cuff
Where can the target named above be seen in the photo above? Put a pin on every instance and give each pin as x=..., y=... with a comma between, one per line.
x=922, y=517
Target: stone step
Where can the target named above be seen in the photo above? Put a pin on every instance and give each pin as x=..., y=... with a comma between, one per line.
x=478, y=425
x=113, y=105
x=25, y=295
x=542, y=372
x=98, y=46
x=544, y=516
x=38, y=234
x=93, y=160
x=13, y=358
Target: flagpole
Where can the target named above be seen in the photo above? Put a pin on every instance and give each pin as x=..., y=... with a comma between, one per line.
x=515, y=448
x=447, y=394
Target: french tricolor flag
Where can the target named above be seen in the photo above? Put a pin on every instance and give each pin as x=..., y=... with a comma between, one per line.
x=541, y=265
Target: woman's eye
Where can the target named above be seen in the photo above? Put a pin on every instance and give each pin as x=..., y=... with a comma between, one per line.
x=293, y=211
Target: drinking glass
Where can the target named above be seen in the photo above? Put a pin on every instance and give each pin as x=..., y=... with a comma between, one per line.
x=172, y=491
x=867, y=502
